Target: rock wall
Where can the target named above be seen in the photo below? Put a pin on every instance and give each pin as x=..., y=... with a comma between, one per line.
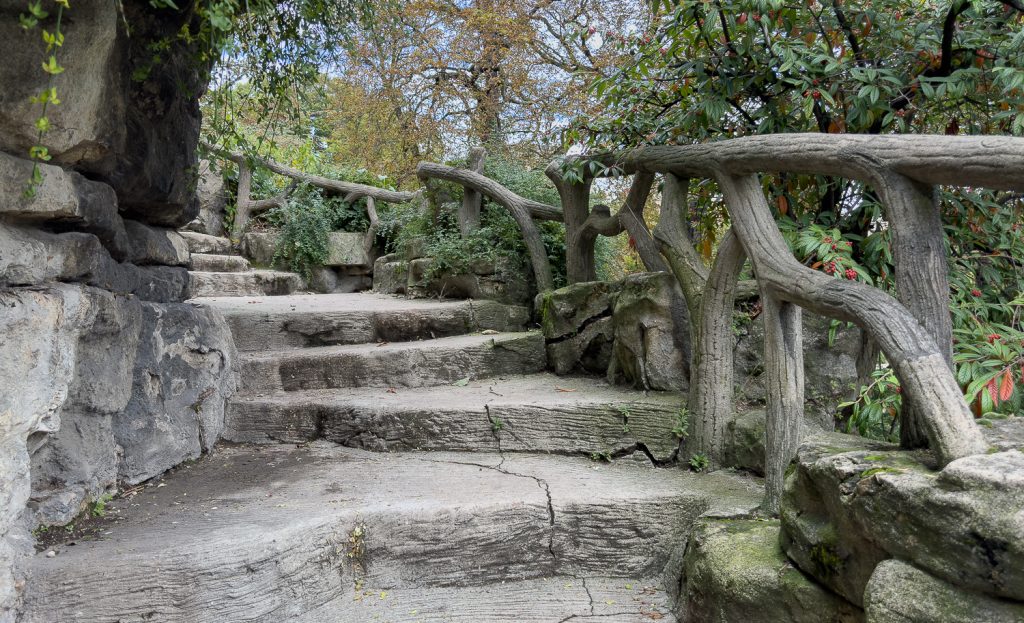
x=108, y=376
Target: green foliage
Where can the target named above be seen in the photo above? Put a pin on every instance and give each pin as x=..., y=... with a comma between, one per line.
x=681, y=429
x=305, y=222
x=699, y=462
x=498, y=241
x=875, y=411
x=713, y=69
x=98, y=507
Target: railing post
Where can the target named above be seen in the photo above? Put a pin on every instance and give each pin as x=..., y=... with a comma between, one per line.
x=710, y=402
x=922, y=276
x=579, y=240
x=784, y=372
x=469, y=211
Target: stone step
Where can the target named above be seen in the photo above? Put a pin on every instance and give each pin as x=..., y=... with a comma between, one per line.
x=442, y=361
x=535, y=413
x=252, y=283
x=301, y=321
x=204, y=243
x=210, y=263
x=284, y=533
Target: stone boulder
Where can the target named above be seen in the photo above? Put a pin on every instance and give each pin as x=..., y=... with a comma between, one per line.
x=212, y=196
x=155, y=245
x=31, y=256
x=345, y=249
x=38, y=336
x=123, y=119
x=850, y=504
x=259, y=247
x=624, y=329
x=184, y=373
x=577, y=325
x=63, y=201
x=901, y=593
x=645, y=352
x=734, y=571
x=390, y=275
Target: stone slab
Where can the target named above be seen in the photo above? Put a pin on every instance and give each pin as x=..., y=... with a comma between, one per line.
x=535, y=413
x=346, y=249
x=302, y=320
x=394, y=364
x=203, y=243
x=211, y=263
x=251, y=283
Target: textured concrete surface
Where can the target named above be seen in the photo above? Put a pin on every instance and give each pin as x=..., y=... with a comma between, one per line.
x=252, y=283
x=304, y=320
x=394, y=364
x=533, y=413
x=280, y=533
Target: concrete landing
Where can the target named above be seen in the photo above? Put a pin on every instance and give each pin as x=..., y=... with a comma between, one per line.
x=282, y=533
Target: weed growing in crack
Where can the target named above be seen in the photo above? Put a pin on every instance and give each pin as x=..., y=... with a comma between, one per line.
x=98, y=508
x=681, y=430
x=699, y=462
x=497, y=425
x=603, y=455
x=624, y=410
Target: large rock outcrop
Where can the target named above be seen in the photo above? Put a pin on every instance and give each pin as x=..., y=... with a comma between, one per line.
x=123, y=119
x=849, y=504
x=735, y=571
x=108, y=388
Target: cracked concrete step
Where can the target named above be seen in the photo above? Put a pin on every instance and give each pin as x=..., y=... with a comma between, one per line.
x=283, y=533
x=395, y=364
x=252, y=283
x=534, y=413
x=301, y=321
x=211, y=263
x=204, y=243
x=547, y=600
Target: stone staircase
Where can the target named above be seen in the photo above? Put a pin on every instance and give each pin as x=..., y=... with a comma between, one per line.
x=401, y=460
x=217, y=270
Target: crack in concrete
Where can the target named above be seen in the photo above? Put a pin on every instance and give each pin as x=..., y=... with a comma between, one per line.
x=540, y=483
x=590, y=596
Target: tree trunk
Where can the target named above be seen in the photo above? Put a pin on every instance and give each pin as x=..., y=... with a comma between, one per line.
x=579, y=239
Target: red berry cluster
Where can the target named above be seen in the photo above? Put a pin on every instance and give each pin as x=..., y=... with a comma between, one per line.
x=851, y=274
x=830, y=268
x=992, y=337
x=975, y=292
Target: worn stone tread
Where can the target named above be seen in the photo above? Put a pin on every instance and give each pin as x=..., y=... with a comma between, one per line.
x=547, y=600
x=533, y=413
x=300, y=321
x=250, y=283
x=214, y=263
x=442, y=361
x=269, y=533
x=205, y=243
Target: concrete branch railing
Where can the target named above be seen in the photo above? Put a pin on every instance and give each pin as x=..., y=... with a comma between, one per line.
x=914, y=332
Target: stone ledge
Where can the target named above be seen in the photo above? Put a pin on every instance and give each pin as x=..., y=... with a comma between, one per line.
x=850, y=504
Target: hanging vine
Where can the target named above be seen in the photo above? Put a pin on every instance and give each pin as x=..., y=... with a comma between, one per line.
x=48, y=96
